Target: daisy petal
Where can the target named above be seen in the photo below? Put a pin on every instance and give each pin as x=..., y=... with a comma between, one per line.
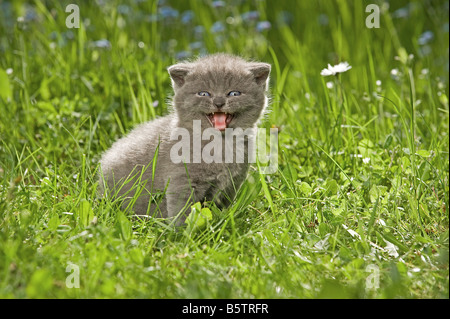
x=326, y=72
x=333, y=70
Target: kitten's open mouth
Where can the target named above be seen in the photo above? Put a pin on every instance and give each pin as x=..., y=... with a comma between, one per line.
x=219, y=120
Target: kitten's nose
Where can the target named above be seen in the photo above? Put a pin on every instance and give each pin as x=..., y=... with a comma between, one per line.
x=219, y=102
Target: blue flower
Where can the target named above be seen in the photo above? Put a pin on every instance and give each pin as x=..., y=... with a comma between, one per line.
x=123, y=9
x=323, y=19
x=198, y=30
x=187, y=16
x=425, y=37
x=102, y=44
x=218, y=4
x=168, y=12
x=263, y=25
x=401, y=13
x=250, y=15
x=217, y=27
x=183, y=55
x=196, y=45
x=69, y=35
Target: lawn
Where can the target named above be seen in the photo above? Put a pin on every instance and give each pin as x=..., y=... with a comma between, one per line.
x=357, y=208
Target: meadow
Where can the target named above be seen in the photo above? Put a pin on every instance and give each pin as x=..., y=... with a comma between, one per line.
x=358, y=206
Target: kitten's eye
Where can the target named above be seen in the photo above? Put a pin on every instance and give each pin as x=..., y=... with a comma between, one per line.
x=234, y=93
x=203, y=93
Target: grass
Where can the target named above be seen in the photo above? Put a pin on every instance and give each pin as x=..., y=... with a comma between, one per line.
x=358, y=207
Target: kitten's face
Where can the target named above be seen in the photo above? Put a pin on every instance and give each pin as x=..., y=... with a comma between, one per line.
x=220, y=90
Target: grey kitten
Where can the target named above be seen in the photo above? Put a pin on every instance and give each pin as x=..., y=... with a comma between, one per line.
x=218, y=91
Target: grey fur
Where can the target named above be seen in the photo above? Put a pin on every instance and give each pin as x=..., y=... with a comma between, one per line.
x=130, y=160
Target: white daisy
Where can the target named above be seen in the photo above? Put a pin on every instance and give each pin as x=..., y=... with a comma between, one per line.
x=333, y=70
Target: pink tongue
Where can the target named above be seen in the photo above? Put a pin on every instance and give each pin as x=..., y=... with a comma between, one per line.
x=220, y=121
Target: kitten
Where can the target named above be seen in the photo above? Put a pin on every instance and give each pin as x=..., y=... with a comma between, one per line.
x=218, y=91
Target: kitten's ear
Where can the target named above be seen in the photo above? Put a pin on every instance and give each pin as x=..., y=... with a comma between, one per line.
x=178, y=73
x=260, y=71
